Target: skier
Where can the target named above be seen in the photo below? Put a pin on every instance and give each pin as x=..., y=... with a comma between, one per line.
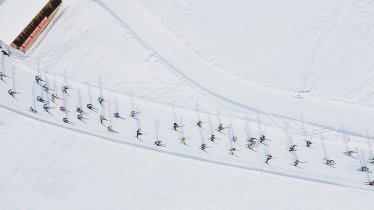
x=308, y=143
x=38, y=79
x=262, y=140
x=235, y=139
x=102, y=119
x=212, y=138
x=46, y=88
x=65, y=89
x=110, y=129
x=292, y=148
x=40, y=99
x=176, y=126
x=91, y=107
x=330, y=162
x=118, y=116
x=12, y=92
x=268, y=157
x=296, y=162
x=364, y=169
x=54, y=97
x=5, y=53
x=220, y=128
x=138, y=133
x=63, y=109
x=183, y=140
x=349, y=153
x=134, y=114
x=2, y=75
x=199, y=124
x=232, y=150
x=203, y=147
x=158, y=143
x=101, y=100
x=46, y=107
x=80, y=111
x=65, y=120
x=370, y=183
x=32, y=110
x=252, y=141
x=81, y=117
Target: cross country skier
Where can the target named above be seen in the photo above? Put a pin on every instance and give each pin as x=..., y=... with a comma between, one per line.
x=252, y=141
x=63, y=109
x=308, y=143
x=199, y=124
x=235, y=139
x=65, y=89
x=212, y=138
x=268, y=157
x=220, y=128
x=101, y=100
x=183, y=140
x=32, y=110
x=158, y=143
x=54, y=97
x=12, y=92
x=364, y=169
x=118, y=116
x=80, y=111
x=5, y=53
x=330, y=162
x=134, y=114
x=46, y=88
x=370, y=183
x=102, y=119
x=40, y=99
x=203, y=147
x=2, y=75
x=81, y=117
x=46, y=107
x=38, y=79
x=91, y=107
x=110, y=129
x=138, y=133
x=262, y=139
x=65, y=120
x=349, y=153
x=232, y=150
x=176, y=126
x=292, y=148
x=296, y=162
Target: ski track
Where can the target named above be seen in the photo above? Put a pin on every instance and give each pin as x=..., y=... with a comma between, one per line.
x=171, y=150
x=150, y=37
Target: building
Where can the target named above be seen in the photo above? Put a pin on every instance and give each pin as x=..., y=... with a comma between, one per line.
x=22, y=21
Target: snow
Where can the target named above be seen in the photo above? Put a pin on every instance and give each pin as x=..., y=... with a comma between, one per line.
x=125, y=55
x=15, y=15
x=325, y=47
x=61, y=169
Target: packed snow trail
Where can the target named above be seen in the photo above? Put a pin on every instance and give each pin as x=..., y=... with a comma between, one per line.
x=22, y=78
x=349, y=118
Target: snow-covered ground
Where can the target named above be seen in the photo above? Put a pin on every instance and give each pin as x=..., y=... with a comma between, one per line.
x=322, y=46
x=125, y=55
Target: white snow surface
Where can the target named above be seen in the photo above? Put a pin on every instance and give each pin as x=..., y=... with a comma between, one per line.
x=124, y=54
x=15, y=15
x=322, y=46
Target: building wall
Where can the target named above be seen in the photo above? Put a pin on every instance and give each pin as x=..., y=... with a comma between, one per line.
x=28, y=36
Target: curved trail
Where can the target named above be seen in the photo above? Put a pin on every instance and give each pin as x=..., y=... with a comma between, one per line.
x=334, y=115
x=20, y=106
